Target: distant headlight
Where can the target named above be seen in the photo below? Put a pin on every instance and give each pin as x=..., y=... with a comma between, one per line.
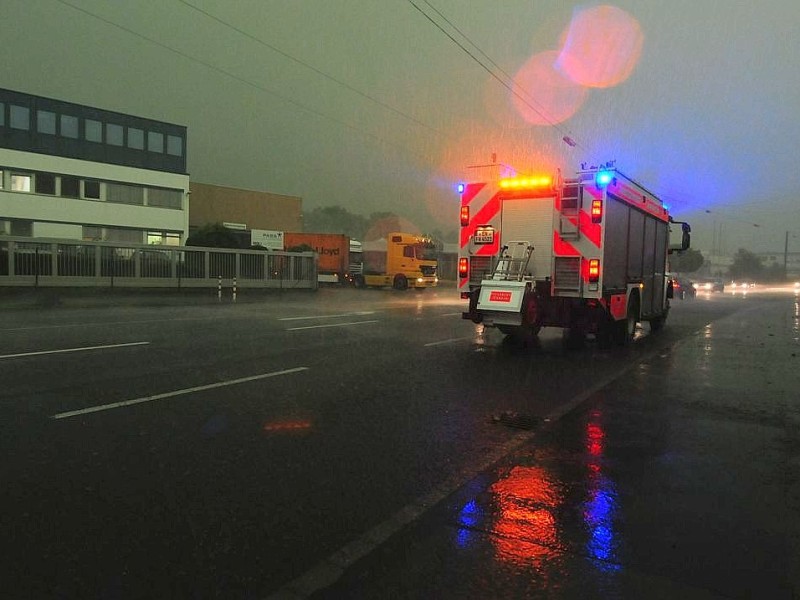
x=420, y=280
x=707, y=286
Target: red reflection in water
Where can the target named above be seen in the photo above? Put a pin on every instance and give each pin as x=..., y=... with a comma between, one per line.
x=287, y=426
x=600, y=47
x=544, y=95
x=526, y=527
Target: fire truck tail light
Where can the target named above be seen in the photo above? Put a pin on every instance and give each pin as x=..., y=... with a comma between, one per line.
x=597, y=211
x=464, y=216
x=463, y=267
x=594, y=270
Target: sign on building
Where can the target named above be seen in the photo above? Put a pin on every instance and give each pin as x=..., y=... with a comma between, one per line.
x=271, y=240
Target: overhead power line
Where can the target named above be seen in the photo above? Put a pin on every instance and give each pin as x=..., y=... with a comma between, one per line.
x=310, y=67
x=240, y=79
x=506, y=83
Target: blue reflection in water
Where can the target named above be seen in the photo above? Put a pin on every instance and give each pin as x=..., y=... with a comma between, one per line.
x=599, y=510
x=468, y=518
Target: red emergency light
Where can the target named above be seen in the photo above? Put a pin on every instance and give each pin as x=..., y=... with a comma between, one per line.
x=524, y=183
x=463, y=267
x=597, y=211
x=594, y=270
x=464, y=216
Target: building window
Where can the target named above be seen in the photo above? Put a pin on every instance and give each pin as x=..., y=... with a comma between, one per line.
x=46, y=122
x=91, y=189
x=70, y=186
x=21, y=228
x=164, y=238
x=174, y=145
x=92, y=233
x=69, y=126
x=2, y=182
x=135, y=138
x=93, y=130
x=2, y=114
x=155, y=142
x=124, y=194
x=20, y=182
x=20, y=117
x=118, y=234
x=45, y=183
x=114, y=134
x=164, y=198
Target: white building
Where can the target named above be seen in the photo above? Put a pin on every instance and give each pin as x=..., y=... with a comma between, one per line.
x=78, y=172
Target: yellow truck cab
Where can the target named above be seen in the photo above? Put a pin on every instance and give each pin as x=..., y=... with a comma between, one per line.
x=400, y=260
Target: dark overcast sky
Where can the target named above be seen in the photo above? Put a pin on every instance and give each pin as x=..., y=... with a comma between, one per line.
x=366, y=104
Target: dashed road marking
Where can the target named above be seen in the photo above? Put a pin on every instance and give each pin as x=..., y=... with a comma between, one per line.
x=63, y=350
x=199, y=388
x=330, y=325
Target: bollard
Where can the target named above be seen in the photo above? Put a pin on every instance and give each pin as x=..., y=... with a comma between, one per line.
x=219, y=288
x=234, y=289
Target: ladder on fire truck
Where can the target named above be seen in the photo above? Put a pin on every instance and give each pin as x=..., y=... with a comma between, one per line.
x=513, y=262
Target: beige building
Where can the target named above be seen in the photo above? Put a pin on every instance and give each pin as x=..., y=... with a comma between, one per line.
x=243, y=209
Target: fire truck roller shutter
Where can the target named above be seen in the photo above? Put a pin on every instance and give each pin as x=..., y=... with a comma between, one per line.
x=530, y=219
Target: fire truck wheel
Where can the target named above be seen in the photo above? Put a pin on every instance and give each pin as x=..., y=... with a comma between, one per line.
x=657, y=324
x=627, y=327
x=400, y=282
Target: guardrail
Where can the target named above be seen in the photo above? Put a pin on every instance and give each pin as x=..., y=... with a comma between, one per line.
x=35, y=262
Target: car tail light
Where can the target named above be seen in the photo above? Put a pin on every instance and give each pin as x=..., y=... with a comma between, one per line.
x=594, y=270
x=464, y=216
x=463, y=267
x=597, y=211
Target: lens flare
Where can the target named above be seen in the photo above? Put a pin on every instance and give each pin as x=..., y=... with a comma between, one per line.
x=543, y=95
x=600, y=47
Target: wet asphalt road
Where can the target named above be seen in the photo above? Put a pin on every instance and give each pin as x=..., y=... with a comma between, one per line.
x=228, y=451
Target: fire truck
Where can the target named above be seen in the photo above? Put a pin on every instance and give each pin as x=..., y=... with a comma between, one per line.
x=587, y=254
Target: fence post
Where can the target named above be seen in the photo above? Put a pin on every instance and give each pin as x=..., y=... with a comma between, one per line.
x=234, y=289
x=219, y=288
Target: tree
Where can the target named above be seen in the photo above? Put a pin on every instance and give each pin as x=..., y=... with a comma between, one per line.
x=214, y=235
x=686, y=262
x=335, y=219
x=746, y=265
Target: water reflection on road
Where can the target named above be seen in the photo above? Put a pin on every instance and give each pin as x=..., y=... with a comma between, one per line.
x=540, y=517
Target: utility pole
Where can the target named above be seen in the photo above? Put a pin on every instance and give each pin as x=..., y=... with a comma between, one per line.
x=786, y=256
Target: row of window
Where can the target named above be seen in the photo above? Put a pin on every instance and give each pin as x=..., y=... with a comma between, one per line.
x=96, y=233
x=70, y=186
x=91, y=130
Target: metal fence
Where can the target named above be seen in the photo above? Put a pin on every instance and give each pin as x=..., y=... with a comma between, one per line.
x=26, y=262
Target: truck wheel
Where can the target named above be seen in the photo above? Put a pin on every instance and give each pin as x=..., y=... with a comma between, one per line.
x=627, y=327
x=657, y=324
x=400, y=282
x=358, y=281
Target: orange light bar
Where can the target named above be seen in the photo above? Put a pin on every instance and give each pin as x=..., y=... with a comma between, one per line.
x=597, y=211
x=594, y=270
x=525, y=183
x=464, y=216
x=463, y=267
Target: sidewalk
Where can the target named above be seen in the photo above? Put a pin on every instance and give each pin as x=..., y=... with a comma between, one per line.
x=679, y=480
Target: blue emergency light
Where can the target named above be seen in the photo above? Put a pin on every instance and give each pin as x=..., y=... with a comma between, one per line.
x=461, y=188
x=603, y=178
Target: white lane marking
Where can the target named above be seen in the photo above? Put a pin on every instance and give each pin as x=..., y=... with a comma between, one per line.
x=450, y=314
x=352, y=314
x=199, y=388
x=330, y=325
x=104, y=323
x=72, y=350
x=450, y=341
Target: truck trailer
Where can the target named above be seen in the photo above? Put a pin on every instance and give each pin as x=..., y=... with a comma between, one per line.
x=587, y=254
x=333, y=251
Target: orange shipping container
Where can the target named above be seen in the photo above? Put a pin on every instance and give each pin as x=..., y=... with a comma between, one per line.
x=333, y=250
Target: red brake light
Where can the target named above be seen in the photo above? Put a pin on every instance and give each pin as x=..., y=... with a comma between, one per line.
x=594, y=270
x=463, y=267
x=464, y=216
x=597, y=211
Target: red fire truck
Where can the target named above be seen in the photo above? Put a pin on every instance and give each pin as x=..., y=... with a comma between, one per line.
x=587, y=254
